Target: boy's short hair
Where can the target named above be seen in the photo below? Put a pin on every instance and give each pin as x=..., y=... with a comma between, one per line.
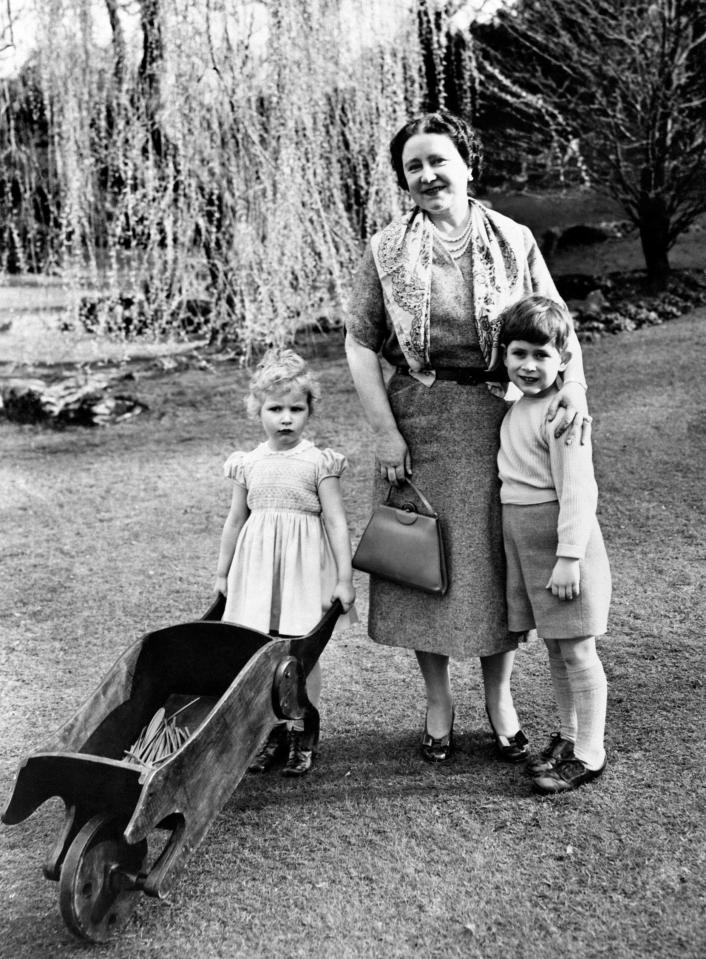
x=536, y=319
x=281, y=369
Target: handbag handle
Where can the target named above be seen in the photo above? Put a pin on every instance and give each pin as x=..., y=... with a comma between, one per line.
x=424, y=501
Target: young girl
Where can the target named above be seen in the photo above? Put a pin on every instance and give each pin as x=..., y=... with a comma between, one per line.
x=280, y=567
x=558, y=578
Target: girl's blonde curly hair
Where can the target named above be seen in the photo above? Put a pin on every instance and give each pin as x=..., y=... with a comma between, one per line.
x=283, y=370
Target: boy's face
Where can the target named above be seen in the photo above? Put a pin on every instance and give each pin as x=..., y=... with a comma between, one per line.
x=533, y=368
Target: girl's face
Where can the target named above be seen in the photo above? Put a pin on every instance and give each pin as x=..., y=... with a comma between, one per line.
x=284, y=414
x=436, y=173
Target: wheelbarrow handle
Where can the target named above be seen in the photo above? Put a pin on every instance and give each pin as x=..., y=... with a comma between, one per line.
x=216, y=609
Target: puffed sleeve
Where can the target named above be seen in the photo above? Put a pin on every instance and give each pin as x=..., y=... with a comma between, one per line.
x=234, y=468
x=330, y=463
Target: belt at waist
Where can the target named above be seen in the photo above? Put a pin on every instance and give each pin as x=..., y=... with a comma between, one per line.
x=465, y=375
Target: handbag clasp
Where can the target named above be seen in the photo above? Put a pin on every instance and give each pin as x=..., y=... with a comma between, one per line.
x=407, y=514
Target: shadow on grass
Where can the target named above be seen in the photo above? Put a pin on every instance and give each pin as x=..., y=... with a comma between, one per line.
x=357, y=768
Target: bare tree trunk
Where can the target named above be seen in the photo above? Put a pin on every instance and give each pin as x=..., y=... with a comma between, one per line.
x=118, y=42
x=654, y=235
x=150, y=72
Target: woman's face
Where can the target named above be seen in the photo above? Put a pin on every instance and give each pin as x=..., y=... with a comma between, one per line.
x=437, y=175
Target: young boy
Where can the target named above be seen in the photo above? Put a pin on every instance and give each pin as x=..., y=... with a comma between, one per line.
x=558, y=578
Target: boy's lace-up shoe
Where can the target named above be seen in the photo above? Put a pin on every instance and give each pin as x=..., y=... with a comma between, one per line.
x=272, y=751
x=300, y=759
x=567, y=774
x=557, y=748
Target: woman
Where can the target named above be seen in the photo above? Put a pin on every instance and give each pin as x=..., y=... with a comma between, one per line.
x=427, y=296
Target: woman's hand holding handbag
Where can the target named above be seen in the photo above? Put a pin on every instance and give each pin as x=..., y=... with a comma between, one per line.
x=405, y=546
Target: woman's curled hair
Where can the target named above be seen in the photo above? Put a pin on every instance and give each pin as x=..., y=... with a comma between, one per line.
x=462, y=135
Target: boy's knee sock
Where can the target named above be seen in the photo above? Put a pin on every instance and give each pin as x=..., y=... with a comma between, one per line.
x=563, y=696
x=590, y=693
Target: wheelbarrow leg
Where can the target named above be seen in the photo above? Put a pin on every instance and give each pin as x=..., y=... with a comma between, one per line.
x=157, y=882
x=74, y=820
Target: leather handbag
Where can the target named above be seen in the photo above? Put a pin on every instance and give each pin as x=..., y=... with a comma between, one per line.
x=404, y=545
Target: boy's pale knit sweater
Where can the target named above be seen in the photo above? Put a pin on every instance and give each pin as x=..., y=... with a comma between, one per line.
x=535, y=467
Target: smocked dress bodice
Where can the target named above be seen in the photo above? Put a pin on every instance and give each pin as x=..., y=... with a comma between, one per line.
x=283, y=570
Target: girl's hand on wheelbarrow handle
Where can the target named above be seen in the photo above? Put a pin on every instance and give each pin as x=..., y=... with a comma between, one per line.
x=345, y=593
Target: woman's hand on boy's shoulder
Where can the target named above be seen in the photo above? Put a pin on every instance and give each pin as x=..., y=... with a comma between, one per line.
x=573, y=418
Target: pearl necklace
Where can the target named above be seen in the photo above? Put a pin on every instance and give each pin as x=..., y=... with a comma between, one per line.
x=457, y=246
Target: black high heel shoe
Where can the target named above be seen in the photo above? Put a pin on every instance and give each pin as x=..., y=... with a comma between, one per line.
x=438, y=750
x=511, y=749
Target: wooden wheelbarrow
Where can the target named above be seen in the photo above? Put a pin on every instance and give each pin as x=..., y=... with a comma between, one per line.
x=227, y=687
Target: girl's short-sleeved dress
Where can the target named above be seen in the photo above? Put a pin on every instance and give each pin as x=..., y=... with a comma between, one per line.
x=283, y=570
x=452, y=432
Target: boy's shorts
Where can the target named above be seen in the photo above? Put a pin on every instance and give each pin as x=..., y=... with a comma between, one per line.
x=530, y=536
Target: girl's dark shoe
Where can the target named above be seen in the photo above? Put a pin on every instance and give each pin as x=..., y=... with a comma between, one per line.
x=511, y=749
x=438, y=750
x=569, y=773
x=272, y=751
x=557, y=748
x=299, y=759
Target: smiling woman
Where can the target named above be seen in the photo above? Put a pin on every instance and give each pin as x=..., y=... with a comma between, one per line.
x=437, y=179
x=428, y=296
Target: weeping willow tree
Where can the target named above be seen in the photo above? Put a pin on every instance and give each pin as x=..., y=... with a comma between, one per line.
x=223, y=158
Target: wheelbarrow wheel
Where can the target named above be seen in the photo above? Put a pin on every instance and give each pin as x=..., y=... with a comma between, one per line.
x=98, y=882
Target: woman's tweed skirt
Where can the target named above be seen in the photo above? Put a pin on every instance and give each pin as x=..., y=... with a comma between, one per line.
x=452, y=433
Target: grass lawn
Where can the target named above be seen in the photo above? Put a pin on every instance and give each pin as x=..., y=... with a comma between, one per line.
x=108, y=533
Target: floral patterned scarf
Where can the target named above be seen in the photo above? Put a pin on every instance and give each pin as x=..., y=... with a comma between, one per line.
x=506, y=264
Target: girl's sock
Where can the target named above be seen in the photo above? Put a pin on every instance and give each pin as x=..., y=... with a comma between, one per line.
x=563, y=696
x=590, y=693
x=313, y=691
